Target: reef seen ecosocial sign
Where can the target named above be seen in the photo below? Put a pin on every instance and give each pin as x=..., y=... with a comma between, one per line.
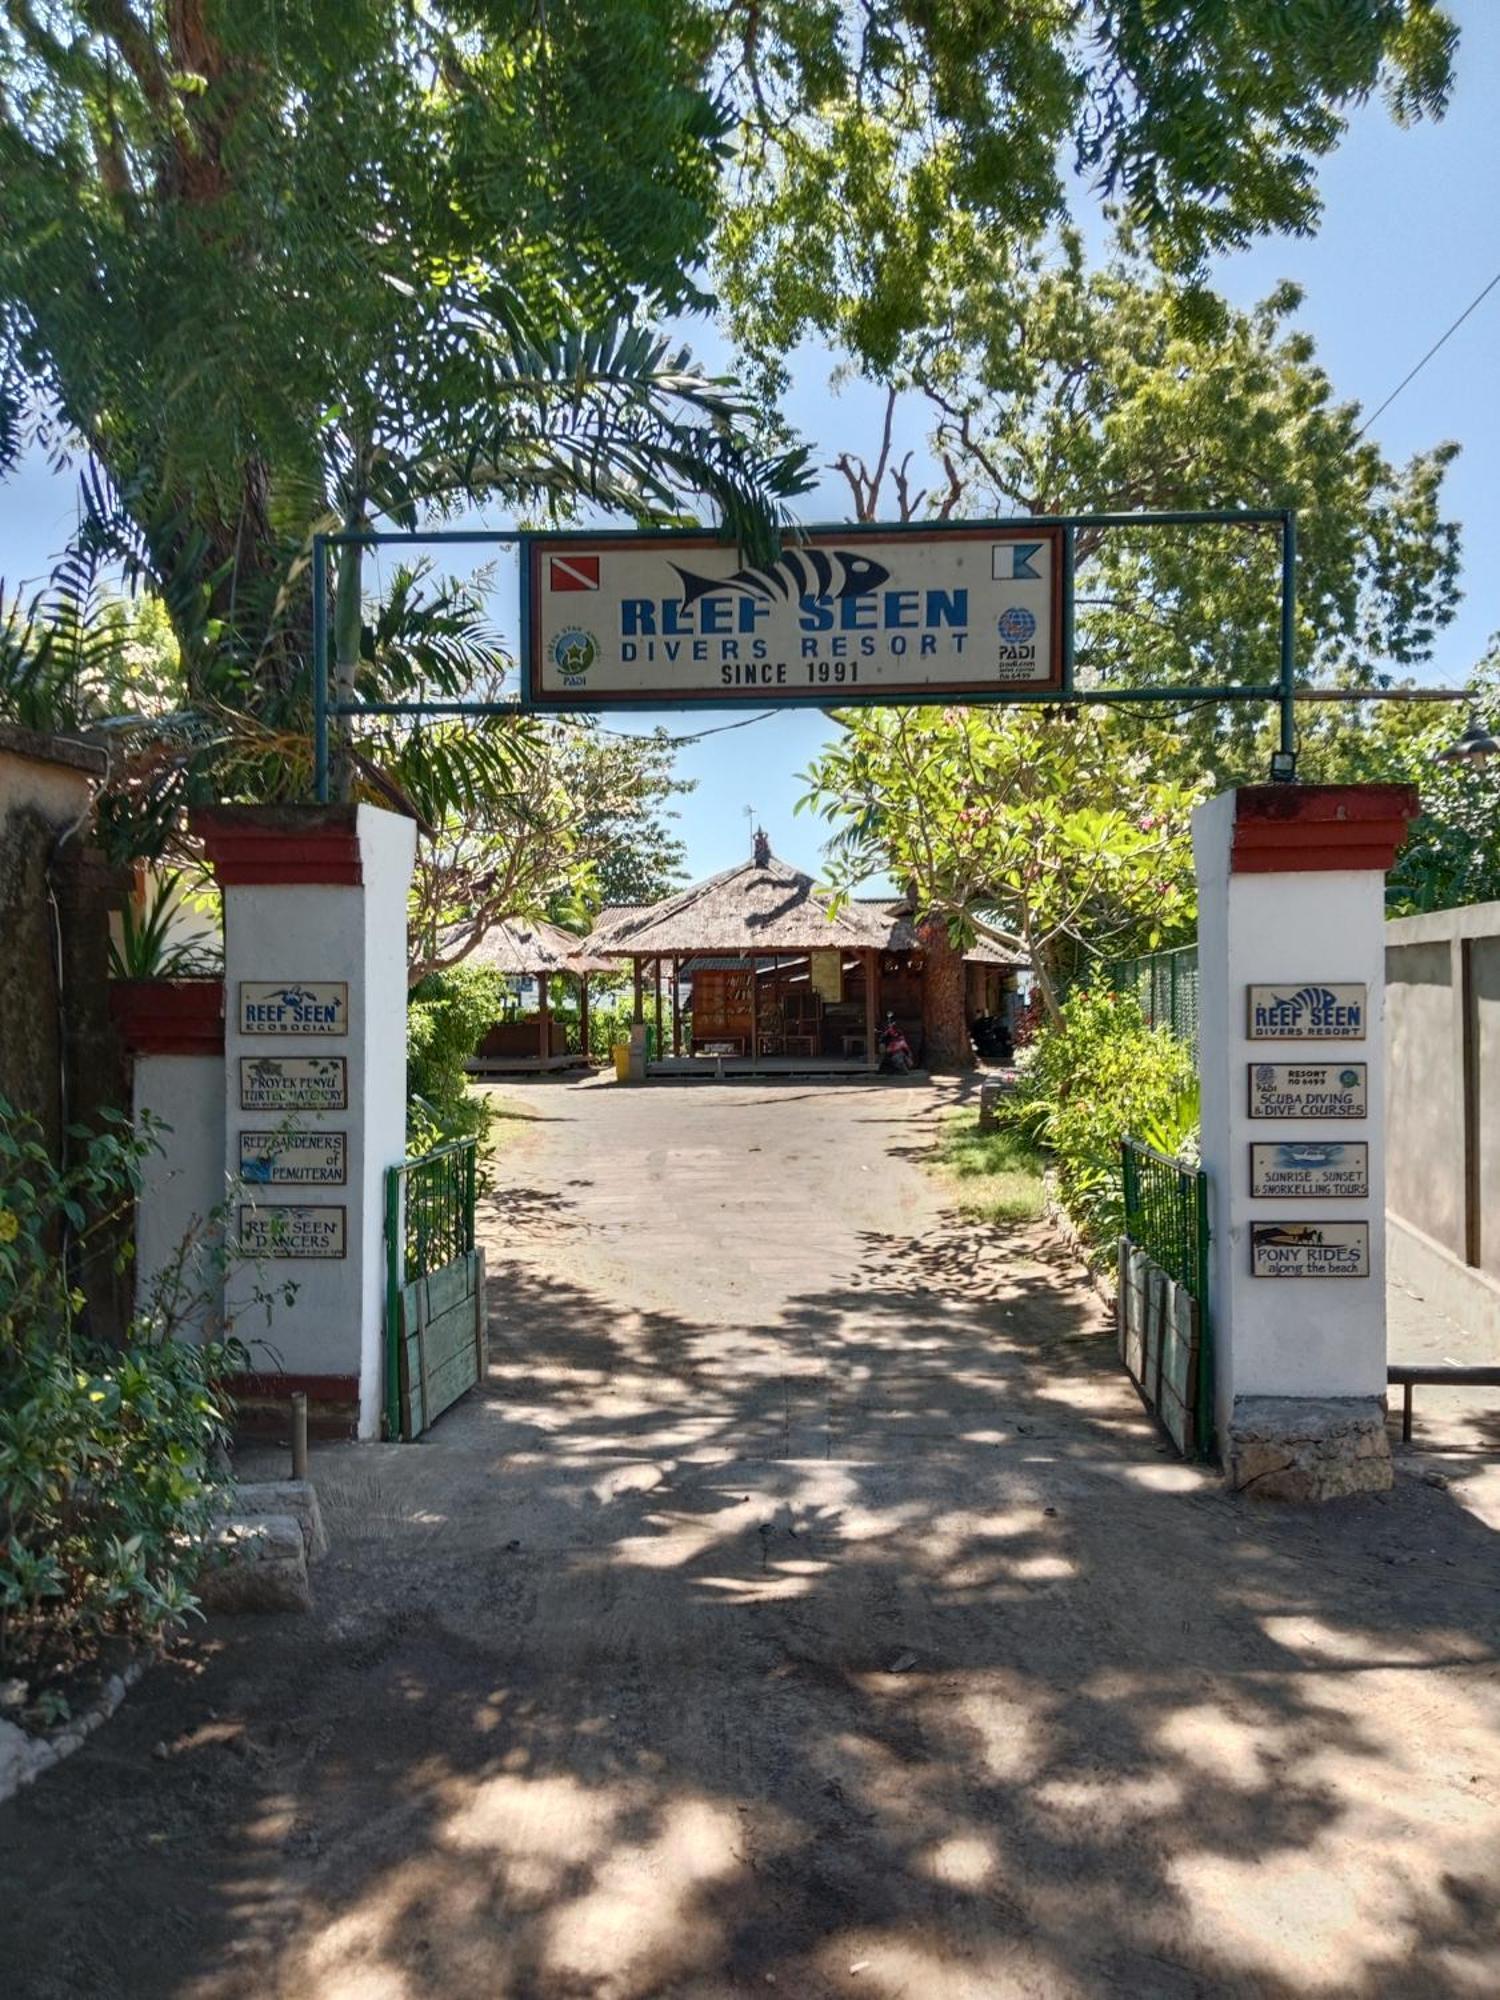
x=842, y=615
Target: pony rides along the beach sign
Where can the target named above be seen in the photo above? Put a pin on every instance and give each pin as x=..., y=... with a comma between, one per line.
x=843, y=615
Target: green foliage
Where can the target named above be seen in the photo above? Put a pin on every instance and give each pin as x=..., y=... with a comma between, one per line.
x=900, y=163
x=446, y=1018
x=107, y=1454
x=996, y=1176
x=584, y=819
x=144, y=948
x=282, y=268
x=1051, y=833
x=74, y=654
x=1120, y=401
x=610, y=1019
x=1097, y=1075
x=1452, y=853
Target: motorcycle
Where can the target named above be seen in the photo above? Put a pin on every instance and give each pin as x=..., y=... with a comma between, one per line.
x=896, y=1058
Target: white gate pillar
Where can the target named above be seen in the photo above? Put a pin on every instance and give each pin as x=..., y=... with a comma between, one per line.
x=1291, y=958
x=315, y=1087
x=174, y=1030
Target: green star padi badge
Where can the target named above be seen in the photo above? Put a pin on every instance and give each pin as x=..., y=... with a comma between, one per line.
x=574, y=651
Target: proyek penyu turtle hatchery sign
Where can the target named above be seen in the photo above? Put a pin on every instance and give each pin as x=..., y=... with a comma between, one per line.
x=840, y=614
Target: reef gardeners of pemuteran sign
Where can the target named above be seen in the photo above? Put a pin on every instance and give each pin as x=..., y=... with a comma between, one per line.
x=841, y=615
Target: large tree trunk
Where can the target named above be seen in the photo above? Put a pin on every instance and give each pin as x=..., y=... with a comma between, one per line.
x=945, y=1025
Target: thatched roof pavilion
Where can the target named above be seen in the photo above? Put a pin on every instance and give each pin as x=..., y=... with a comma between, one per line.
x=531, y=948
x=761, y=906
x=780, y=979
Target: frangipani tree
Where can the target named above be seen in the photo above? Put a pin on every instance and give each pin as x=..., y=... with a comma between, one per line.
x=1047, y=831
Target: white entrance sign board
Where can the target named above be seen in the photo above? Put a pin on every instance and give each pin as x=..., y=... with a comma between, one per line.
x=294, y=1083
x=1310, y=1249
x=882, y=616
x=1295, y=1169
x=292, y=1231
x=294, y=1007
x=294, y=1159
x=1310, y=1012
x=1309, y=1090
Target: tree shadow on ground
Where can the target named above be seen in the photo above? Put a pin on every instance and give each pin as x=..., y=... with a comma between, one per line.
x=882, y=1650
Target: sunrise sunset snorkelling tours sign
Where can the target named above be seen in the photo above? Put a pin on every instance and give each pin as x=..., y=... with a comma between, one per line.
x=842, y=614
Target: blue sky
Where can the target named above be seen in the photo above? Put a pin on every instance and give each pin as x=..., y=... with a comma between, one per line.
x=1411, y=231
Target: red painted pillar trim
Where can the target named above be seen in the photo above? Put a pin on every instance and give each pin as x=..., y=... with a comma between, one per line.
x=1305, y=829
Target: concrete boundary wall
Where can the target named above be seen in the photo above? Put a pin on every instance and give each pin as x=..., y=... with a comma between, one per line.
x=1443, y=1070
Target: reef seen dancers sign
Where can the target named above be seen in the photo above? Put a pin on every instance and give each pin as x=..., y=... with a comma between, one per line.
x=842, y=615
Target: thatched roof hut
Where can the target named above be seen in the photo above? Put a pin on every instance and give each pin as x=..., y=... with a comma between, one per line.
x=530, y=948
x=761, y=906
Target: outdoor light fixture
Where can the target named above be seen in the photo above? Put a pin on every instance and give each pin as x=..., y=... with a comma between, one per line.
x=1283, y=767
x=1477, y=743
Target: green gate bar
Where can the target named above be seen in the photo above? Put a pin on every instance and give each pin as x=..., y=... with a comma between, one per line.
x=429, y=1222
x=1166, y=1213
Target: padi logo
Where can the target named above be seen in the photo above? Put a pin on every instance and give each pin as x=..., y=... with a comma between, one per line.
x=1016, y=625
x=574, y=651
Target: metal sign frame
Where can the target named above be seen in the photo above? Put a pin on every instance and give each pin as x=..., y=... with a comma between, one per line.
x=1281, y=692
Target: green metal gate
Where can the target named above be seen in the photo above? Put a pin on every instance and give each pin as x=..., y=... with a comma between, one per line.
x=1166, y=1219
x=434, y=1287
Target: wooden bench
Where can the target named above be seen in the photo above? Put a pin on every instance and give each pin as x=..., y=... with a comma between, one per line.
x=1406, y=1376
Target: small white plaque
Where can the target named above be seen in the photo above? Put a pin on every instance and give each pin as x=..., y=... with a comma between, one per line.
x=1295, y=1169
x=294, y=1159
x=292, y=1230
x=1311, y=1011
x=1309, y=1090
x=294, y=1007
x=1310, y=1249
x=294, y=1083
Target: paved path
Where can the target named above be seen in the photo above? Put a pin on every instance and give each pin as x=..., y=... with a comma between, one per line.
x=806, y=1608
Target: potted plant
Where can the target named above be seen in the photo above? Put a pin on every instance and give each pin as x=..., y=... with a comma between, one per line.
x=166, y=991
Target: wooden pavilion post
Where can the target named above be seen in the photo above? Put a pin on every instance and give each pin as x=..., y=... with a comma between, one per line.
x=676, y=1005
x=872, y=976
x=656, y=989
x=636, y=966
x=544, y=1020
x=583, y=1015
x=754, y=1012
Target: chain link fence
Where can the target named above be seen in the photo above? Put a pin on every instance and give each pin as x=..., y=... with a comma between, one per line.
x=1166, y=985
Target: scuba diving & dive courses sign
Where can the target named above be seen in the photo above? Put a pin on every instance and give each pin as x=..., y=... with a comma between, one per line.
x=841, y=615
x=1309, y=1090
x=1307, y=1013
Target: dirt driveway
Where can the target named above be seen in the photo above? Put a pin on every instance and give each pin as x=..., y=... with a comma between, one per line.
x=808, y=1608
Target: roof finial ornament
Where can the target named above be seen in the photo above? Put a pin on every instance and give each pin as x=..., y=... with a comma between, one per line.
x=762, y=848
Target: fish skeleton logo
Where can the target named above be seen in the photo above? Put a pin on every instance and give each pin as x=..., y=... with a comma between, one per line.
x=1016, y=625
x=797, y=573
x=574, y=651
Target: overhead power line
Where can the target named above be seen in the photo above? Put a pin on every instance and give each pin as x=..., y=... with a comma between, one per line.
x=1413, y=373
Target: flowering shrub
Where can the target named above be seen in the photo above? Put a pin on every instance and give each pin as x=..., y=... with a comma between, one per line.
x=107, y=1454
x=1085, y=1085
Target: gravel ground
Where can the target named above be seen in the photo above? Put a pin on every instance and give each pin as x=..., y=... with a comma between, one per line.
x=806, y=1606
